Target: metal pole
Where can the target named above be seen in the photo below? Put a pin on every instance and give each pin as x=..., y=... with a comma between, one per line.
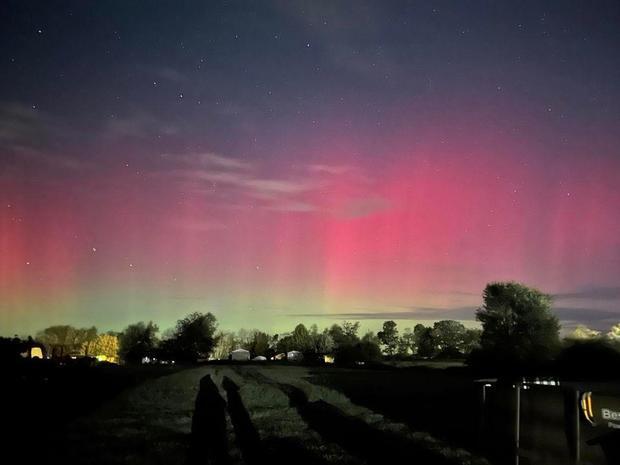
x=577, y=428
x=517, y=423
x=483, y=414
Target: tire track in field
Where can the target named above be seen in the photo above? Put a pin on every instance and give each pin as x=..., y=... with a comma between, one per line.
x=247, y=436
x=255, y=450
x=353, y=434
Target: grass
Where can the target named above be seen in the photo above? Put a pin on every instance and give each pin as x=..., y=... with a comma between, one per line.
x=299, y=377
x=276, y=420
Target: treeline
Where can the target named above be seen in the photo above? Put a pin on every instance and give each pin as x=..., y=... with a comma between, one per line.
x=519, y=332
x=67, y=341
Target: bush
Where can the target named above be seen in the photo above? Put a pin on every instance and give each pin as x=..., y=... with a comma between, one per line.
x=589, y=359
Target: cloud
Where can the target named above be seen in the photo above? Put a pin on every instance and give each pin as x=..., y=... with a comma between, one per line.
x=33, y=136
x=208, y=159
x=137, y=125
x=218, y=171
x=330, y=169
x=586, y=315
x=592, y=293
x=569, y=316
x=291, y=191
x=418, y=313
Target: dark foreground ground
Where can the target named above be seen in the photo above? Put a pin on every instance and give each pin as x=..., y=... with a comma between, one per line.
x=281, y=414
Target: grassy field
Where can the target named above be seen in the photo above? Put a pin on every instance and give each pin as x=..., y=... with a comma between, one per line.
x=274, y=413
x=282, y=414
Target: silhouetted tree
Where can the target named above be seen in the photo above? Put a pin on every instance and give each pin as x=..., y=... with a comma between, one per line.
x=389, y=337
x=260, y=344
x=517, y=325
x=449, y=336
x=588, y=359
x=137, y=341
x=323, y=343
x=471, y=341
x=194, y=336
x=406, y=343
x=365, y=350
x=345, y=335
x=85, y=338
x=60, y=340
x=425, y=342
x=225, y=343
x=285, y=344
x=301, y=339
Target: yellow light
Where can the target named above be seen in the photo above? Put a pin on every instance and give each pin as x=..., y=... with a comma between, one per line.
x=36, y=352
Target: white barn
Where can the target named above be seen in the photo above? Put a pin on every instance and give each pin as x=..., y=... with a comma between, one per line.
x=241, y=355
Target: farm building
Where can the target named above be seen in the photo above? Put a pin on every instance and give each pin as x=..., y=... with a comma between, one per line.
x=294, y=356
x=240, y=355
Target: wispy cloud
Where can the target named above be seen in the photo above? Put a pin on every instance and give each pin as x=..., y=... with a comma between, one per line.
x=330, y=169
x=418, y=313
x=591, y=293
x=218, y=171
x=295, y=190
x=137, y=125
x=569, y=316
x=208, y=160
x=33, y=136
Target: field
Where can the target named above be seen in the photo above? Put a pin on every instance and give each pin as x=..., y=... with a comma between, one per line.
x=287, y=414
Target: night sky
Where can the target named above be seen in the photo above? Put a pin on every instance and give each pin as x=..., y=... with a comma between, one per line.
x=359, y=160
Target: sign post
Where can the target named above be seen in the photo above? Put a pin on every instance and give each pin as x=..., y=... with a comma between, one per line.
x=517, y=422
x=577, y=429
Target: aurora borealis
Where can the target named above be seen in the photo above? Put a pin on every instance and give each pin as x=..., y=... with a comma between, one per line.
x=266, y=160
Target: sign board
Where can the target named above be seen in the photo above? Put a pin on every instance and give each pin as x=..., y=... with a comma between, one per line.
x=601, y=410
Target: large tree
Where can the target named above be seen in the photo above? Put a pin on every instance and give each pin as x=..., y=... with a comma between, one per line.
x=389, y=337
x=138, y=341
x=260, y=344
x=194, y=336
x=105, y=347
x=302, y=341
x=449, y=336
x=406, y=343
x=424, y=340
x=225, y=343
x=85, y=338
x=517, y=324
x=345, y=334
x=471, y=340
x=62, y=340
